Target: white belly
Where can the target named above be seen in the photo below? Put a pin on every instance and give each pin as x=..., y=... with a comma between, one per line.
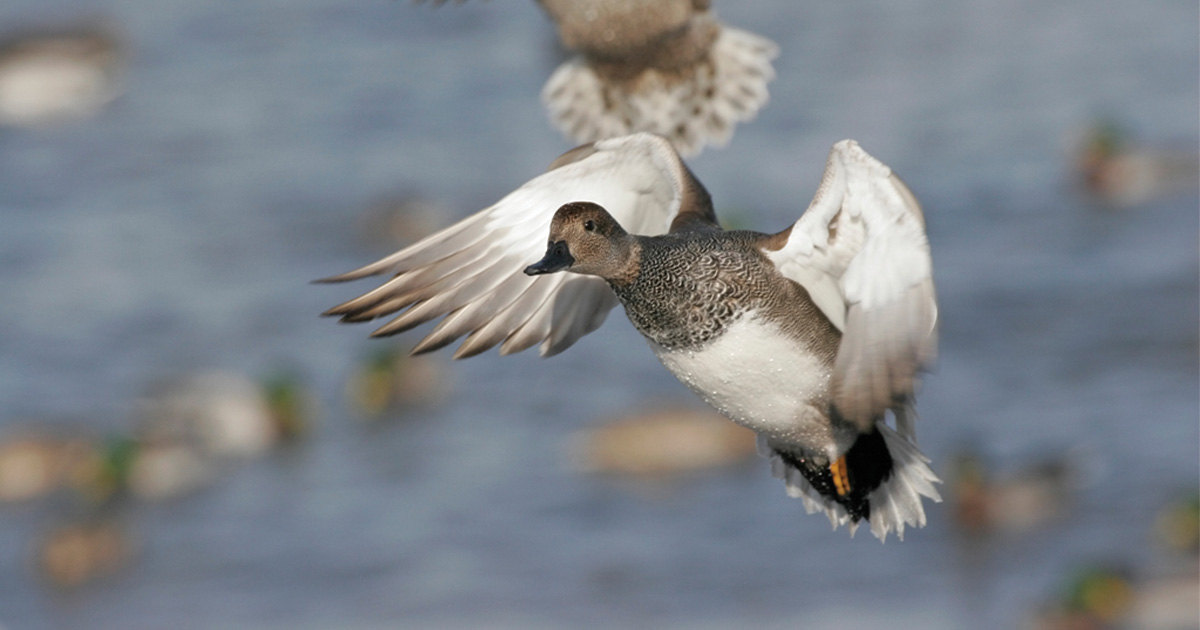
x=759, y=378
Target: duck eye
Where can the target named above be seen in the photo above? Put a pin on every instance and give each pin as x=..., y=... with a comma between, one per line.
x=589, y=225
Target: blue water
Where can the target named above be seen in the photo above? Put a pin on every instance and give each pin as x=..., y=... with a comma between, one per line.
x=178, y=230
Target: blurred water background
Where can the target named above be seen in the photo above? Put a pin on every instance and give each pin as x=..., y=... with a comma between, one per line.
x=176, y=231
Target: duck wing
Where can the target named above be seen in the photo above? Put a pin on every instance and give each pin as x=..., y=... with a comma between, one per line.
x=470, y=274
x=861, y=251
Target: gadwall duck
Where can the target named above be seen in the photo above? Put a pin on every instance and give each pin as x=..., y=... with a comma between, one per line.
x=663, y=66
x=808, y=336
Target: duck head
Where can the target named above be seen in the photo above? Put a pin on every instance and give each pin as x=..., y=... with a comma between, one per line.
x=584, y=238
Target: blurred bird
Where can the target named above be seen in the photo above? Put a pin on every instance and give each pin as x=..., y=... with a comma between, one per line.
x=167, y=469
x=661, y=441
x=1094, y=598
x=34, y=464
x=389, y=380
x=1167, y=602
x=119, y=467
x=664, y=66
x=809, y=336
x=104, y=473
x=58, y=76
x=1177, y=526
x=291, y=404
x=1114, y=170
x=73, y=554
x=227, y=415
x=100, y=470
x=1112, y=597
x=1034, y=496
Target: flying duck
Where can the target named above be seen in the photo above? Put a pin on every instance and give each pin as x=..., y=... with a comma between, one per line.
x=809, y=336
x=663, y=66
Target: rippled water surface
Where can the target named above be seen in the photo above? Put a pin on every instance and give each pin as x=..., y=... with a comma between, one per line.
x=179, y=229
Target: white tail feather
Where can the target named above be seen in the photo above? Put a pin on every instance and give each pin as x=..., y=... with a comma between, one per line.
x=894, y=504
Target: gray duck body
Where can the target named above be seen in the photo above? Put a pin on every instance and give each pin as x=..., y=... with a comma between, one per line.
x=690, y=286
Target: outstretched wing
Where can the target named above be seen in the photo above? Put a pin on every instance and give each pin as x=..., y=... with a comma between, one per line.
x=861, y=251
x=471, y=272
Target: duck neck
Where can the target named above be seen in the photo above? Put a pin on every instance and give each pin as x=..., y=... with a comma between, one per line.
x=627, y=255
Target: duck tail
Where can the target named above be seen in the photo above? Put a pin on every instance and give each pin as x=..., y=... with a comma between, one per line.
x=691, y=106
x=881, y=479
